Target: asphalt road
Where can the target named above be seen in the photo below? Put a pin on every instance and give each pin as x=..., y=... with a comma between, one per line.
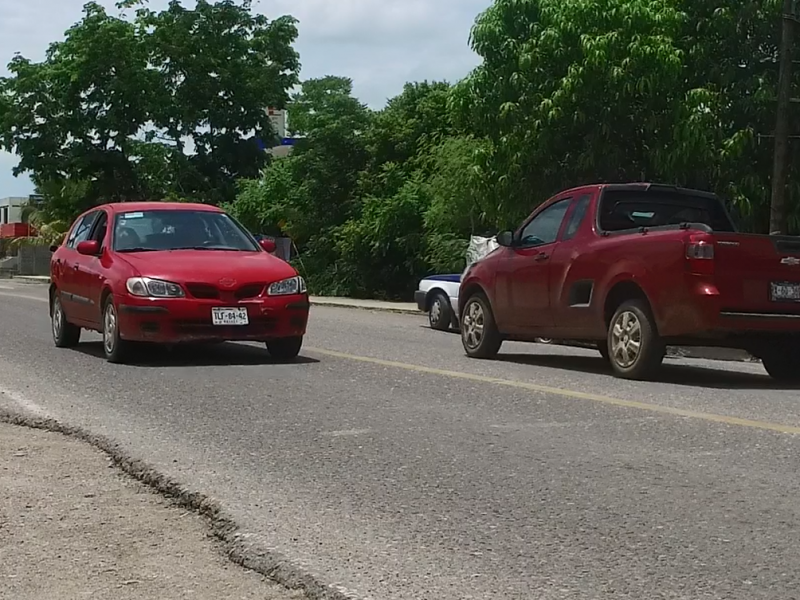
x=392, y=466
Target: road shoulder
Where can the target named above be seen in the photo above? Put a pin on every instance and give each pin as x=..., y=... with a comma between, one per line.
x=72, y=525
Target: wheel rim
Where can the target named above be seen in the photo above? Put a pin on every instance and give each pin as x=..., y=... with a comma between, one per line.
x=473, y=326
x=58, y=319
x=626, y=339
x=436, y=311
x=109, y=329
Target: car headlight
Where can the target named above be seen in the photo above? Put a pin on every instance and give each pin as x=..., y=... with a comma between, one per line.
x=286, y=287
x=153, y=288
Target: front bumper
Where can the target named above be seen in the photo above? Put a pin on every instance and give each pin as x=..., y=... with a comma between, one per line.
x=421, y=298
x=180, y=320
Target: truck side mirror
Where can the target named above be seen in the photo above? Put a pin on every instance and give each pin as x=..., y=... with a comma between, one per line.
x=505, y=239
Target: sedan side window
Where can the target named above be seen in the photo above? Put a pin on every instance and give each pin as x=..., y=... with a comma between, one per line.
x=544, y=227
x=81, y=230
x=100, y=229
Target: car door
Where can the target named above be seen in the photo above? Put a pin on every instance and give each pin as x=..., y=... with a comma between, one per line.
x=89, y=273
x=528, y=267
x=68, y=266
x=571, y=286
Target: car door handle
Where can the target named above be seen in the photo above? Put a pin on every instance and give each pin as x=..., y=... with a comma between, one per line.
x=542, y=256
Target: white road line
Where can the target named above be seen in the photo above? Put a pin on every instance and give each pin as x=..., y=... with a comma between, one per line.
x=27, y=405
x=23, y=296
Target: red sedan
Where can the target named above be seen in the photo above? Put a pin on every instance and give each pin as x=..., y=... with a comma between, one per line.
x=171, y=273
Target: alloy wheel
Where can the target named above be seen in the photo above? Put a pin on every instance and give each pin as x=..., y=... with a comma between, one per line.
x=473, y=325
x=626, y=339
x=109, y=329
x=57, y=319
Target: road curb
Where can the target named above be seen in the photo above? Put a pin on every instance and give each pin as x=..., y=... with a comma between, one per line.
x=322, y=301
x=30, y=279
x=266, y=562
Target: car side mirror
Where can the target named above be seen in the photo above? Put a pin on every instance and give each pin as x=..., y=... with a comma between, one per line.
x=89, y=247
x=54, y=247
x=505, y=239
x=268, y=245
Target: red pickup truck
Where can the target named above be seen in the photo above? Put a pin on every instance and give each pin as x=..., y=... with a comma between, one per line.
x=634, y=268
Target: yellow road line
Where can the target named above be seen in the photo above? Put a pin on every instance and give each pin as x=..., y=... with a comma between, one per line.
x=533, y=387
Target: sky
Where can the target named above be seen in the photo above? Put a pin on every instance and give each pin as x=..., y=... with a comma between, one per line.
x=379, y=44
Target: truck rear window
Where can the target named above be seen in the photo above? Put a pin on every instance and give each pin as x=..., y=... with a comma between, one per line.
x=622, y=210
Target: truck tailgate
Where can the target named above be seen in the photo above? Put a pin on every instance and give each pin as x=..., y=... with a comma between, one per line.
x=758, y=273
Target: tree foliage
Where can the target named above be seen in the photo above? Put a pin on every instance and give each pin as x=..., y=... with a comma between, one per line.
x=572, y=91
x=168, y=103
x=567, y=92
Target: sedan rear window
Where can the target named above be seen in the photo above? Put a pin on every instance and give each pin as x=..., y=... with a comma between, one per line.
x=154, y=230
x=622, y=210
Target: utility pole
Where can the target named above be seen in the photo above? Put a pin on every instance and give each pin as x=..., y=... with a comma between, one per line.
x=777, y=212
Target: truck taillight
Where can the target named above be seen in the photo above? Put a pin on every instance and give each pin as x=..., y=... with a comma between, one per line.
x=700, y=257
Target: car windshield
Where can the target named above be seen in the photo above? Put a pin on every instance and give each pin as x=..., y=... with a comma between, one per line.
x=160, y=230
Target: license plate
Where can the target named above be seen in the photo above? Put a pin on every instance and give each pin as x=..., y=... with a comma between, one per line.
x=229, y=316
x=785, y=292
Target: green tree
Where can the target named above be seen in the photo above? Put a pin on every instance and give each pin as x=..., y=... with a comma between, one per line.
x=220, y=66
x=573, y=91
x=311, y=193
x=75, y=114
x=461, y=201
x=164, y=104
x=731, y=62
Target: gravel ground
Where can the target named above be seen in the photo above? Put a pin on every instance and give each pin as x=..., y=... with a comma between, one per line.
x=72, y=526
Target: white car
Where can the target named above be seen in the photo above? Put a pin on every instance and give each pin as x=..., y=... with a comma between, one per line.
x=437, y=295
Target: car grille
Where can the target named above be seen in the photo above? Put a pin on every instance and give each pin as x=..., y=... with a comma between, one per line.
x=205, y=291
x=202, y=291
x=261, y=324
x=249, y=291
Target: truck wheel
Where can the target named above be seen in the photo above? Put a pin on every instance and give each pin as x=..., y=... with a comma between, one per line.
x=634, y=346
x=479, y=333
x=440, y=314
x=783, y=366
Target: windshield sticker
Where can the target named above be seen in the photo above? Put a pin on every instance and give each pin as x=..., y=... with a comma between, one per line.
x=134, y=215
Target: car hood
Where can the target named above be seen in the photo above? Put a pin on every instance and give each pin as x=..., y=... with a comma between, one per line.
x=210, y=266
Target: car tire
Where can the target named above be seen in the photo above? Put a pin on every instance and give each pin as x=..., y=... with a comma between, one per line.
x=479, y=334
x=115, y=349
x=602, y=347
x=285, y=349
x=635, y=349
x=440, y=313
x=65, y=334
x=783, y=366
x=542, y=340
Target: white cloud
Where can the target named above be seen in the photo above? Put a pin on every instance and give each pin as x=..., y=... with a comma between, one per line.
x=380, y=44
